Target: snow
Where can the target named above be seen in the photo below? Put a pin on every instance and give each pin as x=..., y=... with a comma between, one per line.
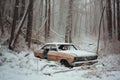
x=24, y=66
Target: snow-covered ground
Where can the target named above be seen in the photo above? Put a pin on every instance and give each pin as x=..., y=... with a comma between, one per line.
x=24, y=66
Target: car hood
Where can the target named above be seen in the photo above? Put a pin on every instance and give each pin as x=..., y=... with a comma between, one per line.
x=79, y=53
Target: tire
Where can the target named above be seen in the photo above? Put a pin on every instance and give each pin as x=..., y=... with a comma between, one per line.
x=65, y=63
x=37, y=56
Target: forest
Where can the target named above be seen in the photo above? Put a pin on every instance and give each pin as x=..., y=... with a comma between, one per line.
x=76, y=21
x=93, y=25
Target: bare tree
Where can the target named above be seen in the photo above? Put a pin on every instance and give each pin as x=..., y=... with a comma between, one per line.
x=1, y=21
x=41, y=11
x=48, y=16
x=18, y=31
x=22, y=8
x=15, y=18
x=68, y=34
x=109, y=18
x=118, y=18
x=29, y=24
x=2, y=5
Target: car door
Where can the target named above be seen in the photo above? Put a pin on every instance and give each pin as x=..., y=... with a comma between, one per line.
x=52, y=54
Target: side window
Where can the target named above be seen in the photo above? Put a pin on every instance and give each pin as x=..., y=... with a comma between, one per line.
x=46, y=47
x=53, y=48
x=63, y=47
x=50, y=47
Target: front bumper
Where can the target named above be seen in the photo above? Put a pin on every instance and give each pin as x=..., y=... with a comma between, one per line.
x=80, y=62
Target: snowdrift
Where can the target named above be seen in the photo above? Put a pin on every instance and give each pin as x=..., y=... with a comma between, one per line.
x=24, y=66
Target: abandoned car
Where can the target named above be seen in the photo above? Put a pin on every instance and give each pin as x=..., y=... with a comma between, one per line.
x=65, y=53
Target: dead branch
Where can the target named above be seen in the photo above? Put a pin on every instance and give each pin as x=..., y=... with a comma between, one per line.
x=100, y=30
x=43, y=67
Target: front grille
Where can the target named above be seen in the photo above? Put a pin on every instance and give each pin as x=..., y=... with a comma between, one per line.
x=76, y=59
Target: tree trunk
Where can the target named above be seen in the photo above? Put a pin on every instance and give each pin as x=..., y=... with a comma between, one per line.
x=19, y=28
x=1, y=21
x=2, y=4
x=114, y=20
x=15, y=18
x=118, y=19
x=46, y=21
x=68, y=34
x=109, y=18
x=48, y=16
x=99, y=33
x=29, y=24
x=41, y=12
x=22, y=9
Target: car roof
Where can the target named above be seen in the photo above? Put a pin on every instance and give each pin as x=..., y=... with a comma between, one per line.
x=59, y=43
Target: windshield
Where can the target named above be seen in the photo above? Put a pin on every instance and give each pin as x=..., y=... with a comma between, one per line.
x=66, y=47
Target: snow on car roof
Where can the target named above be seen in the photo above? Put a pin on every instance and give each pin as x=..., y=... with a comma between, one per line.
x=60, y=43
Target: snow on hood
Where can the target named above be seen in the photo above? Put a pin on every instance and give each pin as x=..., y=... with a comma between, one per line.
x=79, y=53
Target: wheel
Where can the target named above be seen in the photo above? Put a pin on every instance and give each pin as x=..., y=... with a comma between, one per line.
x=37, y=56
x=65, y=63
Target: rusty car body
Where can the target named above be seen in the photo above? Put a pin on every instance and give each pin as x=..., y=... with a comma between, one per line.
x=65, y=53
